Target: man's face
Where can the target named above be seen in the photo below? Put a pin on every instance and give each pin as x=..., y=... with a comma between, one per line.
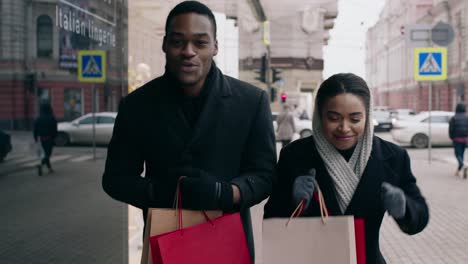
x=190, y=46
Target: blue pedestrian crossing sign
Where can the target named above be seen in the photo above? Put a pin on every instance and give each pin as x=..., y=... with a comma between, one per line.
x=92, y=66
x=430, y=64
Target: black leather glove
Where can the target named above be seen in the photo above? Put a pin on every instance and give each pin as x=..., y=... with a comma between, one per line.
x=394, y=200
x=202, y=191
x=159, y=191
x=303, y=188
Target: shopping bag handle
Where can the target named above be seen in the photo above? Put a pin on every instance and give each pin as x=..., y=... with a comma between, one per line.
x=178, y=206
x=301, y=206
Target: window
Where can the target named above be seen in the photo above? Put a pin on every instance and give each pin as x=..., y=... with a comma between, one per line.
x=44, y=36
x=73, y=107
x=106, y=120
x=437, y=119
x=87, y=121
x=44, y=95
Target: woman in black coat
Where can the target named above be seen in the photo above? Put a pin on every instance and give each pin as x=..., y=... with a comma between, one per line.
x=359, y=174
x=45, y=130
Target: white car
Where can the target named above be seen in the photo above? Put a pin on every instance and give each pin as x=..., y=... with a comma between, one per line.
x=415, y=130
x=80, y=130
x=401, y=114
x=303, y=126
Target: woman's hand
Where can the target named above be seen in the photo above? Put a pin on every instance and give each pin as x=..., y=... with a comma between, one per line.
x=394, y=200
x=303, y=188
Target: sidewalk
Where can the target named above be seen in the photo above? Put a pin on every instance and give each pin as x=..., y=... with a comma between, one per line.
x=64, y=217
x=21, y=141
x=445, y=239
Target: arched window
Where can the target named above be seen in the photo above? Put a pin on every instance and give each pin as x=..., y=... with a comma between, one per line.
x=44, y=36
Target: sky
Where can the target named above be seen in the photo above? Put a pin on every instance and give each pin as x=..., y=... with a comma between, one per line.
x=346, y=49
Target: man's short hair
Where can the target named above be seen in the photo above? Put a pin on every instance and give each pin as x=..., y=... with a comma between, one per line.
x=191, y=7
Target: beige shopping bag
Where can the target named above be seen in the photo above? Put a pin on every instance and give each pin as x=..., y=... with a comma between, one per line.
x=305, y=240
x=165, y=220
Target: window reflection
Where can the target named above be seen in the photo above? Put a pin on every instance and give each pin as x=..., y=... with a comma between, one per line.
x=44, y=36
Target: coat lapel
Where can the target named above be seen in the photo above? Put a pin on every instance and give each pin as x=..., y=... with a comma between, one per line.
x=212, y=112
x=171, y=113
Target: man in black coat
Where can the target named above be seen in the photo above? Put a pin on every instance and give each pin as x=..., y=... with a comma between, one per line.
x=193, y=121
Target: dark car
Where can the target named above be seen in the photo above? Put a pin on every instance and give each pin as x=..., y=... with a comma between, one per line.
x=384, y=121
x=5, y=145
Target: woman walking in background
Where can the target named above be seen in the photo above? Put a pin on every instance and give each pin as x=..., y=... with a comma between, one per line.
x=286, y=126
x=458, y=132
x=45, y=130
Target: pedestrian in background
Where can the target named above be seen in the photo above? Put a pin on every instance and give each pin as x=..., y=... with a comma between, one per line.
x=286, y=126
x=358, y=173
x=458, y=132
x=45, y=130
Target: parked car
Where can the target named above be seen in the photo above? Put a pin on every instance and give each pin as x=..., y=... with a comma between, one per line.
x=303, y=126
x=80, y=130
x=384, y=121
x=5, y=145
x=401, y=114
x=415, y=130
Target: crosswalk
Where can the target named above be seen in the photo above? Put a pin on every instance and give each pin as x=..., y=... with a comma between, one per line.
x=19, y=161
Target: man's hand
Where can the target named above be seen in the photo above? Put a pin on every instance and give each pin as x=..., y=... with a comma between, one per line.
x=201, y=191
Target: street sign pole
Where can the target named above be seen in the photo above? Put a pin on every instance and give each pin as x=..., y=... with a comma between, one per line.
x=441, y=34
x=92, y=69
x=94, y=120
x=267, y=42
x=430, y=124
x=430, y=65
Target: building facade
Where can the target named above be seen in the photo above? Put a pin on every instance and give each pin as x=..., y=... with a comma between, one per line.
x=39, y=43
x=298, y=32
x=390, y=55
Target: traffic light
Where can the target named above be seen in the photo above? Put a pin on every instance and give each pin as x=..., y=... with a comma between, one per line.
x=273, y=94
x=283, y=98
x=276, y=74
x=262, y=71
x=30, y=81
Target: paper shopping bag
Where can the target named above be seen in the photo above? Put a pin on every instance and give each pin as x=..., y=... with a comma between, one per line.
x=308, y=240
x=161, y=220
x=304, y=240
x=219, y=240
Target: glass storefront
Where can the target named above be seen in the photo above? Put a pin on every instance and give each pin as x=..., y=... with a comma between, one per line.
x=72, y=103
x=39, y=61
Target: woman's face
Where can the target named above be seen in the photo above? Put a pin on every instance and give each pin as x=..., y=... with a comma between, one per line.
x=344, y=120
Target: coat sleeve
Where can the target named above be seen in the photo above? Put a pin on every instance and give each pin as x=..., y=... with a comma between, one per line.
x=258, y=161
x=124, y=164
x=293, y=124
x=35, y=130
x=280, y=203
x=54, y=128
x=417, y=212
x=451, y=128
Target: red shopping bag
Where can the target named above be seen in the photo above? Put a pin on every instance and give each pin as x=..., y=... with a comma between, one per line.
x=360, y=240
x=219, y=240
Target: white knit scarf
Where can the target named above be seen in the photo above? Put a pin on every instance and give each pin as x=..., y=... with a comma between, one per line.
x=345, y=175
